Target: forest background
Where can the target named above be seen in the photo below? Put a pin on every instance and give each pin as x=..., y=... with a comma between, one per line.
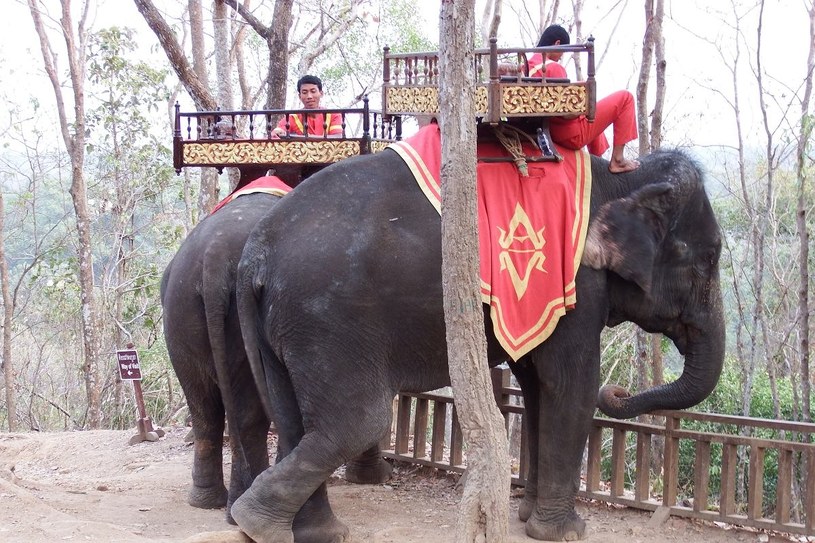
x=91, y=210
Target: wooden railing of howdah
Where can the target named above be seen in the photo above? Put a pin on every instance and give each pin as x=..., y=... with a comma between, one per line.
x=426, y=432
x=244, y=138
x=503, y=87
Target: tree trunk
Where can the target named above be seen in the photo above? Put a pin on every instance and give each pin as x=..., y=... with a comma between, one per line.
x=8, y=312
x=660, y=65
x=247, y=97
x=490, y=19
x=486, y=17
x=769, y=196
x=577, y=11
x=208, y=195
x=73, y=133
x=223, y=72
x=223, y=47
x=276, y=36
x=124, y=241
x=653, y=51
x=198, y=90
x=644, y=79
x=804, y=142
x=485, y=502
x=546, y=15
x=278, y=42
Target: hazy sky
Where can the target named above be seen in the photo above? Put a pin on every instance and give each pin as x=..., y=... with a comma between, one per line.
x=700, y=48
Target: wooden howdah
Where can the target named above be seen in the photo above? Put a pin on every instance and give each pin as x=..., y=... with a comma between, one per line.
x=244, y=138
x=503, y=87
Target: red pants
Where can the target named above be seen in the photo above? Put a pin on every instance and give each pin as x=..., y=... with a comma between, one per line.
x=615, y=109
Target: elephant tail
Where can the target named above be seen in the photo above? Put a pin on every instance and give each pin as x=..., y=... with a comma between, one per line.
x=249, y=293
x=216, y=308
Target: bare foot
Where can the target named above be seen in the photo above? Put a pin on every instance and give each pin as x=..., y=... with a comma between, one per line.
x=623, y=165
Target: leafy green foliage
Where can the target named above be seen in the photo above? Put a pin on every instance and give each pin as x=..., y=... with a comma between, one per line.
x=726, y=399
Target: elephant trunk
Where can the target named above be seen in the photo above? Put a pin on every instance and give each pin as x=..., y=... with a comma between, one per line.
x=704, y=358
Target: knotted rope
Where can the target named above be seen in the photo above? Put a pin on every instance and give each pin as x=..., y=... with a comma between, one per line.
x=510, y=138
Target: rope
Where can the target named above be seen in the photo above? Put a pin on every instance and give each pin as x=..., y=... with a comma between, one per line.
x=510, y=138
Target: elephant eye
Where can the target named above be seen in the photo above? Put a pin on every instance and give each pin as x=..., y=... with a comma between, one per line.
x=680, y=249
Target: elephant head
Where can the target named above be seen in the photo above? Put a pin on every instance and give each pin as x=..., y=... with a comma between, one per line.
x=661, y=245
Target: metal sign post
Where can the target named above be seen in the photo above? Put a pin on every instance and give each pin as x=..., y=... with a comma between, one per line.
x=129, y=370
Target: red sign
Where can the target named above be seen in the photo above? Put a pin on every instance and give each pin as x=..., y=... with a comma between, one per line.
x=128, y=362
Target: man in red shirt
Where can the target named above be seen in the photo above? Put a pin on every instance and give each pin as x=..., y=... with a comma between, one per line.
x=574, y=132
x=310, y=91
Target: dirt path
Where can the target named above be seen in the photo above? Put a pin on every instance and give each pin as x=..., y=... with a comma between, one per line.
x=92, y=486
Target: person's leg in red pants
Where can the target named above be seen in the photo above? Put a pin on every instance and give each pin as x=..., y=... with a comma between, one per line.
x=616, y=109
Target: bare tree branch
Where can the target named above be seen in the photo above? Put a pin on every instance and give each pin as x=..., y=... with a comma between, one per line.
x=342, y=22
x=201, y=96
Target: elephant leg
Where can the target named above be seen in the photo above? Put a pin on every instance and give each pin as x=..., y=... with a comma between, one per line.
x=369, y=468
x=527, y=377
x=208, y=490
x=568, y=378
x=289, y=501
x=250, y=453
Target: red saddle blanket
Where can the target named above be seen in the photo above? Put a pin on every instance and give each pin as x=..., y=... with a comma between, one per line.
x=531, y=231
x=268, y=184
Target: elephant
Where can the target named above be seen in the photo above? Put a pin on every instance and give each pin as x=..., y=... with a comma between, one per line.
x=201, y=330
x=205, y=346
x=340, y=296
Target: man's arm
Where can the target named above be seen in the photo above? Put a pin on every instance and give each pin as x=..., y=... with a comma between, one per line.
x=294, y=128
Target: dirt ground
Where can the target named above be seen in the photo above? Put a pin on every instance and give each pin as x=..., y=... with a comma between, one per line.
x=93, y=486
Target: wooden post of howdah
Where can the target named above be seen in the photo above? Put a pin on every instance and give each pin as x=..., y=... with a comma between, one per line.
x=129, y=370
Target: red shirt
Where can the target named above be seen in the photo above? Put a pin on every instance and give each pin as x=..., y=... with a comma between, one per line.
x=316, y=124
x=538, y=67
x=536, y=63
x=555, y=71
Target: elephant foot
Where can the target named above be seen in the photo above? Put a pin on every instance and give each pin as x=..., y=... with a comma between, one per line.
x=571, y=528
x=234, y=493
x=213, y=497
x=368, y=472
x=311, y=526
x=526, y=507
x=257, y=522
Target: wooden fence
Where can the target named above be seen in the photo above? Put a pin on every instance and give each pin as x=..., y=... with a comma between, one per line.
x=618, y=459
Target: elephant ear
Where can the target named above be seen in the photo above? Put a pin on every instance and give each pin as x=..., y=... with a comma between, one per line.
x=625, y=234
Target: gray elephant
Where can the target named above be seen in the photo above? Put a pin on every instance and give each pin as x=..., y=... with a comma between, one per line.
x=202, y=332
x=340, y=290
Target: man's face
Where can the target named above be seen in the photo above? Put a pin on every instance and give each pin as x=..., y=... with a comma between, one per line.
x=310, y=95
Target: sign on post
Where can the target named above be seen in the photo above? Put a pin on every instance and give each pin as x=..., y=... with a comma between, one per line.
x=129, y=369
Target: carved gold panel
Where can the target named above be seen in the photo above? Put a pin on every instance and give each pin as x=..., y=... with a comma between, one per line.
x=423, y=100
x=378, y=145
x=515, y=100
x=269, y=152
x=544, y=99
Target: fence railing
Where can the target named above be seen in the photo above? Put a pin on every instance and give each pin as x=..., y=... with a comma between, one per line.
x=744, y=471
